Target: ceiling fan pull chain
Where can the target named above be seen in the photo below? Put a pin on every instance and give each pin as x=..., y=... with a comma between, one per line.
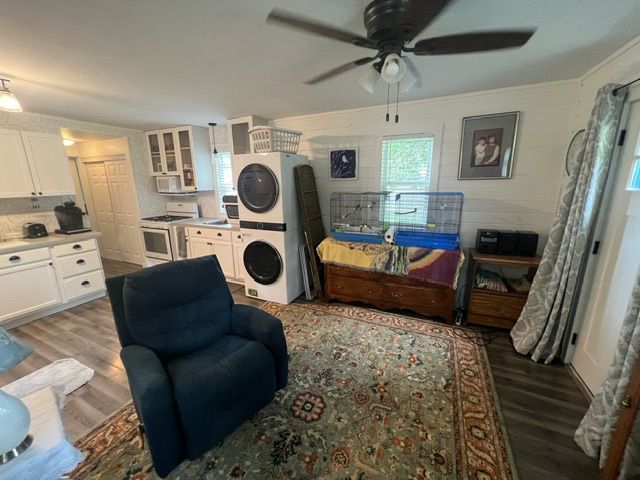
x=388, y=87
x=397, y=100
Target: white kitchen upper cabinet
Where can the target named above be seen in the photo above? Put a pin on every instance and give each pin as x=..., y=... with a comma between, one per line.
x=48, y=163
x=15, y=180
x=184, y=152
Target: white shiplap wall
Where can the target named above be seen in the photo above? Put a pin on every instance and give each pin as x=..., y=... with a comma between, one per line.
x=526, y=202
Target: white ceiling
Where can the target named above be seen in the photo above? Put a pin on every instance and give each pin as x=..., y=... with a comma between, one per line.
x=152, y=63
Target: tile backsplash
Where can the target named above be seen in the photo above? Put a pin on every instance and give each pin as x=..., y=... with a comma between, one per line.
x=14, y=212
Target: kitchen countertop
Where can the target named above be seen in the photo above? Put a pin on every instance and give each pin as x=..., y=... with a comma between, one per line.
x=22, y=244
x=202, y=222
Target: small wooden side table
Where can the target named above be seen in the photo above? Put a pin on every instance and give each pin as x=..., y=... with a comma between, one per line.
x=496, y=309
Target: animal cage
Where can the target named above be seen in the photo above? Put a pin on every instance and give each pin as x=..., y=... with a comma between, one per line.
x=428, y=219
x=358, y=217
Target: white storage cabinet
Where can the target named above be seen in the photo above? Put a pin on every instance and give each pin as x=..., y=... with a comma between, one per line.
x=34, y=165
x=184, y=152
x=225, y=244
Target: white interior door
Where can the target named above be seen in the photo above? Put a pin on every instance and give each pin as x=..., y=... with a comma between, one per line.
x=123, y=200
x=101, y=209
x=603, y=305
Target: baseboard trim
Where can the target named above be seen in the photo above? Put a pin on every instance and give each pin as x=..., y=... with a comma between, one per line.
x=583, y=386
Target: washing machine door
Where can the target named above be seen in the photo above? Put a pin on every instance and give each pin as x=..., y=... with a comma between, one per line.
x=262, y=262
x=257, y=188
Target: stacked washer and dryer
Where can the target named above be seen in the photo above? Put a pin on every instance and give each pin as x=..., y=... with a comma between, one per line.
x=270, y=226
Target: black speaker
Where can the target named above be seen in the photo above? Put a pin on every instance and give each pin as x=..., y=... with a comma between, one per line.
x=507, y=242
x=527, y=243
x=487, y=241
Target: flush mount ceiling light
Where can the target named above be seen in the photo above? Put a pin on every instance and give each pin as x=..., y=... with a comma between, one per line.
x=67, y=142
x=8, y=101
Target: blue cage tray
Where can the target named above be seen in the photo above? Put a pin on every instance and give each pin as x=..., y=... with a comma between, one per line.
x=447, y=241
x=358, y=237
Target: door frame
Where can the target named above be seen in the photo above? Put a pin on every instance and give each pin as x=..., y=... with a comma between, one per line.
x=82, y=163
x=599, y=234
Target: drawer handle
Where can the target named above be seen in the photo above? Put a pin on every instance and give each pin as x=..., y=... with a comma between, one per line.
x=14, y=258
x=209, y=243
x=239, y=237
x=80, y=262
x=370, y=292
x=86, y=282
x=219, y=234
x=199, y=232
x=77, y=246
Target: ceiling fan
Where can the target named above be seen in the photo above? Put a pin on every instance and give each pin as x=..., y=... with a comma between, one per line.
x=391, y=26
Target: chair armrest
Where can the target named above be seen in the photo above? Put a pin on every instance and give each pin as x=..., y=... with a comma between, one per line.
x=152, y=394
x=256, y=324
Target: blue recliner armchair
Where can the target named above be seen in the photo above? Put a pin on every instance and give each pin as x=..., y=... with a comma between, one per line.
x=198, y=365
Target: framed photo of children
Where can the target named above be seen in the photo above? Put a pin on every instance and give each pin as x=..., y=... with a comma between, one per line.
x=344, y=164
x=488, y=146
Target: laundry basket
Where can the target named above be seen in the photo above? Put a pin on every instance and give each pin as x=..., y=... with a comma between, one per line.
x=271, y=139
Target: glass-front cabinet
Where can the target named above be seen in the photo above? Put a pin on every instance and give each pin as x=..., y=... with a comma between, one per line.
x=188, y=173
x=154, y=150
x=184, y=152
x=162, y=149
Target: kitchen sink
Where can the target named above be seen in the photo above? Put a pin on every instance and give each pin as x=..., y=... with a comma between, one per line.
x=216, y=222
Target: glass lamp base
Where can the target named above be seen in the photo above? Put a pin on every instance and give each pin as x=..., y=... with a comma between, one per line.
x=14, y=452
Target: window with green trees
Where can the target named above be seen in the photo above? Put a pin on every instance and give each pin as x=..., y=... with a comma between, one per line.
x=406, y=164
x=405, y=167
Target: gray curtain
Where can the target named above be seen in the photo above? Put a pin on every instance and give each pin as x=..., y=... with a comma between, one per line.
x=543, y=320
x=597, y=426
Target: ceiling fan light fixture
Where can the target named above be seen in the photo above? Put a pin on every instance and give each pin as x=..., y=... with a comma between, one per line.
x=369, y=79
x=8, y=101
x=393, y=69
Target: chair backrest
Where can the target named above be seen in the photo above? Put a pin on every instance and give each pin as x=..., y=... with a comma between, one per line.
x=174, y=308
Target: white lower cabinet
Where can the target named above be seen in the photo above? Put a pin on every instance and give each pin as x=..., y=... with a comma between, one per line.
x=224, y=252
x=41, y=281
x=223, y=244
x=27, y=289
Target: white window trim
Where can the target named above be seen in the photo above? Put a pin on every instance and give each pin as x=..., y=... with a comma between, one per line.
x=434, y=179
x=438, y=135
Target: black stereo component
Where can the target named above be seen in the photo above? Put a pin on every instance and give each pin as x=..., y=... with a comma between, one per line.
x=487, y=241
x=507, y=242
x=527, y=243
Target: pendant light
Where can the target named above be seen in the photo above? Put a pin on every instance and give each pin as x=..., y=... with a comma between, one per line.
x=213, y=126
x=8, y=101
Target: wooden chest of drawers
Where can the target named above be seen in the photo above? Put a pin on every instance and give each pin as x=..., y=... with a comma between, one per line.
x=388, y=292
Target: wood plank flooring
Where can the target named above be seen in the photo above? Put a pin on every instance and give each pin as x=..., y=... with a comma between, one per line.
x=541, y=404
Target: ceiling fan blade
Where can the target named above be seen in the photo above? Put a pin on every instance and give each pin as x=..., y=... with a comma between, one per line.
x=341, y=69
x=418, y=14
x=471, y=42
x=311, y=26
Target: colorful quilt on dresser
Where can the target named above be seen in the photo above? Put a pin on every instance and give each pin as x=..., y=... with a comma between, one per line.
x=437, y=266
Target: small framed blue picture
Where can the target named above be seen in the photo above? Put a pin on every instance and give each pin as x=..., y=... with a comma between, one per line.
x=344, y=164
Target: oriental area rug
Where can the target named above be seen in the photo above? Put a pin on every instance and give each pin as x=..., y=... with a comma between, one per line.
x=371, y=395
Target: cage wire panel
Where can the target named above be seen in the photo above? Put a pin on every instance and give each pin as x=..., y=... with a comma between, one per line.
x=358, y=217
x=428, y=219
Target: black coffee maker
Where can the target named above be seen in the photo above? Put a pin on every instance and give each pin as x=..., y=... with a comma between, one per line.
x=69, y=218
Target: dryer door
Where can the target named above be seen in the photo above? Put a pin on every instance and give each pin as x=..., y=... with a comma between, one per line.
x=262, y=262
x=257, y=188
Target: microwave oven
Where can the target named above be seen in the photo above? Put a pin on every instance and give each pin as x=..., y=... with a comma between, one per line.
x=169, y=184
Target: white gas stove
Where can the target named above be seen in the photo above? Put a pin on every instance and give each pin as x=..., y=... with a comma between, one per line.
x=164, y=241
